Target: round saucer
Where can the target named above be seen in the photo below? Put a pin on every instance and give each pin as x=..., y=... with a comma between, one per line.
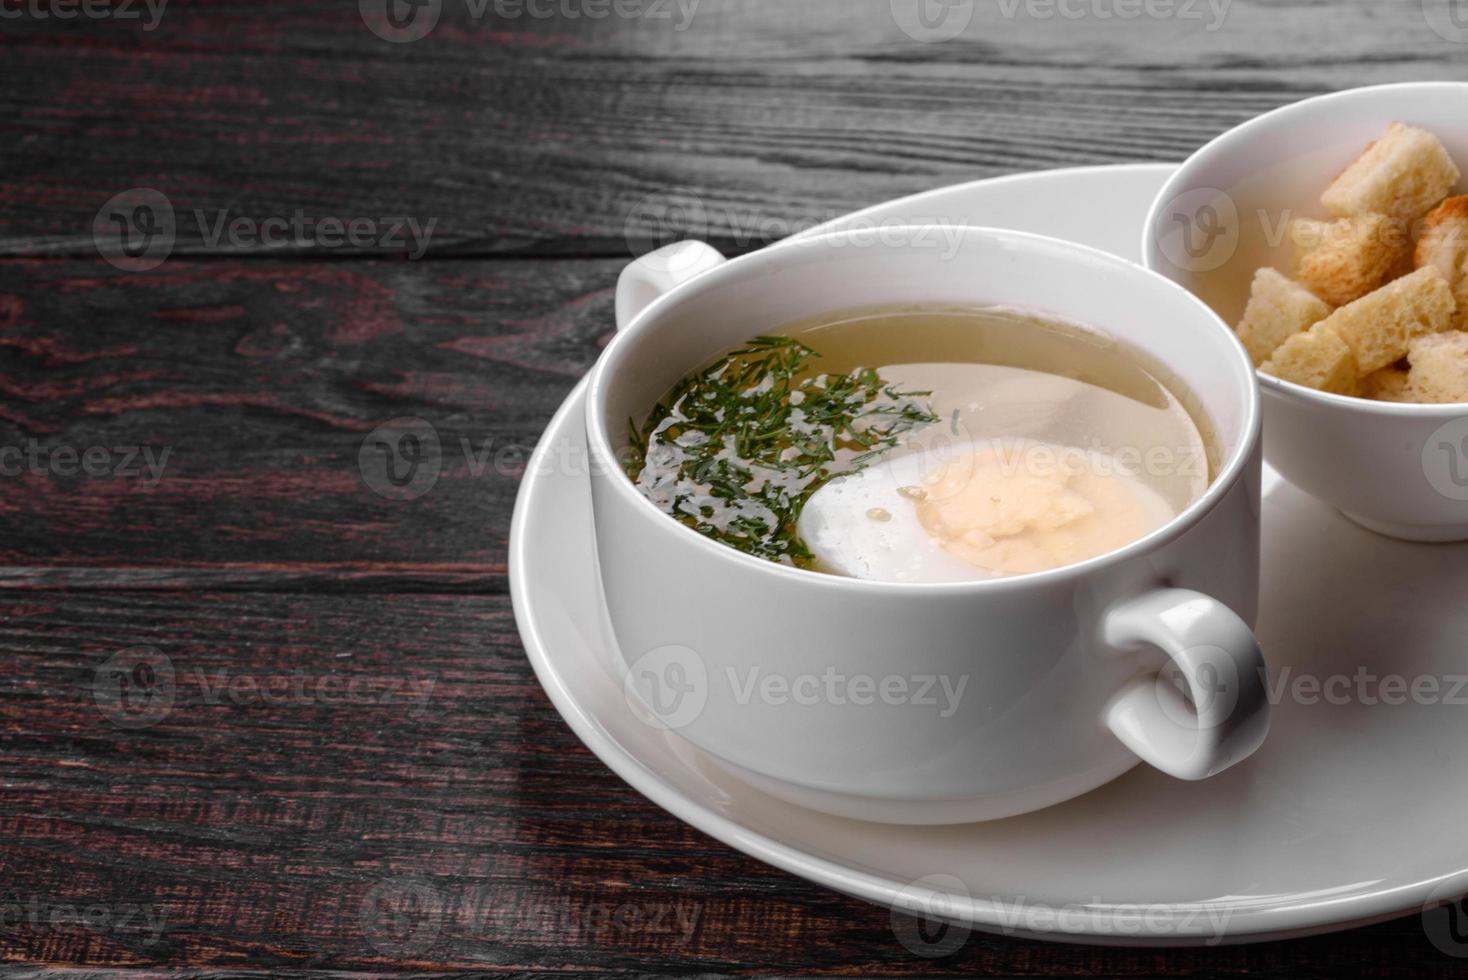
x=1349, y=814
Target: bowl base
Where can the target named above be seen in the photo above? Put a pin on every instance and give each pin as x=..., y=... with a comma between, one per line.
x=1436, y=533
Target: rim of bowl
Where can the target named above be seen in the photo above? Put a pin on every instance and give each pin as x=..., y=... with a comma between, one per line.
x=1438, y=411
x=1229, y=473
x=1170, y=190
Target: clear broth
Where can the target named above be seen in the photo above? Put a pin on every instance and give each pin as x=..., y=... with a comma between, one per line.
x=962, y=376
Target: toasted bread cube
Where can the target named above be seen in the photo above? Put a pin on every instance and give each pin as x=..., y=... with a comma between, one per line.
x=1402, y=268
x=1402, y=175
x=1440, y=367
x=1379, y=326
x=1390, y=384
x=1444, y=245
x=1317, y=358
x=1278, y=308
x=1343, y=260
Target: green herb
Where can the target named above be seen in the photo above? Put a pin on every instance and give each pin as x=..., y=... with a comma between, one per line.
x=735, y=450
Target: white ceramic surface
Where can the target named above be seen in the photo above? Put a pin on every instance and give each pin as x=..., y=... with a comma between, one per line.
x=934, y=702
x=1349, y=814
x=1396, y=468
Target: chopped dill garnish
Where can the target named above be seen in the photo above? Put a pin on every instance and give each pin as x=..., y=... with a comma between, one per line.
x=735, y=450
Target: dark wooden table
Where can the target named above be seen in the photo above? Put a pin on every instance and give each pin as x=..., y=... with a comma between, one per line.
x=364, y=229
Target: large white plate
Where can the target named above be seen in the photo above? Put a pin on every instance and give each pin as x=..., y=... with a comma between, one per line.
x=1351, y=812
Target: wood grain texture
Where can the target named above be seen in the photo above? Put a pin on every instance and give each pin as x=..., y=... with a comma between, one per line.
x=356, y=783
x=307, y=803
x=262, y=382
x=738, y=121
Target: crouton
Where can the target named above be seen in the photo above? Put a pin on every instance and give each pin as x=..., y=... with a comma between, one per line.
x=1277, y=309
x=1390, y=384
x=1343, y=260
x=1317, y=358
x=1444, y=245
x=1440, y=367
x=1379, y=326
x=1401, y=175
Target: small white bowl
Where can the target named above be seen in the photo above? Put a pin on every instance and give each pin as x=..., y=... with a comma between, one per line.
x=1399, y=469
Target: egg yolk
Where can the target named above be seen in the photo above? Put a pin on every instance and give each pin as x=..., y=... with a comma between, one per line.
x=1029, y=507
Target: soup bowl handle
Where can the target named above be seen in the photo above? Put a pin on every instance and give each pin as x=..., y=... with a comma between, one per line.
x=1215, y=656
x=657, y=272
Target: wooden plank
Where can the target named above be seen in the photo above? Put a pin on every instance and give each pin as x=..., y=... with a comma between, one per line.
x=216, y=424
x=267, y=829
x=739, y=122
x=373, y=782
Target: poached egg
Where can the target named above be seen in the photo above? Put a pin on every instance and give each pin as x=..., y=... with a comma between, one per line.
x=988, y=509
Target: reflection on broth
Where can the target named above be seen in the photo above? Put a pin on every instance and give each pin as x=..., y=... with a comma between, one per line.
x=920, y=444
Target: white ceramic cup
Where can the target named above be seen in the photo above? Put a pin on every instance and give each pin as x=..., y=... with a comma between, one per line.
x=1398, y=469
x=932, y=703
